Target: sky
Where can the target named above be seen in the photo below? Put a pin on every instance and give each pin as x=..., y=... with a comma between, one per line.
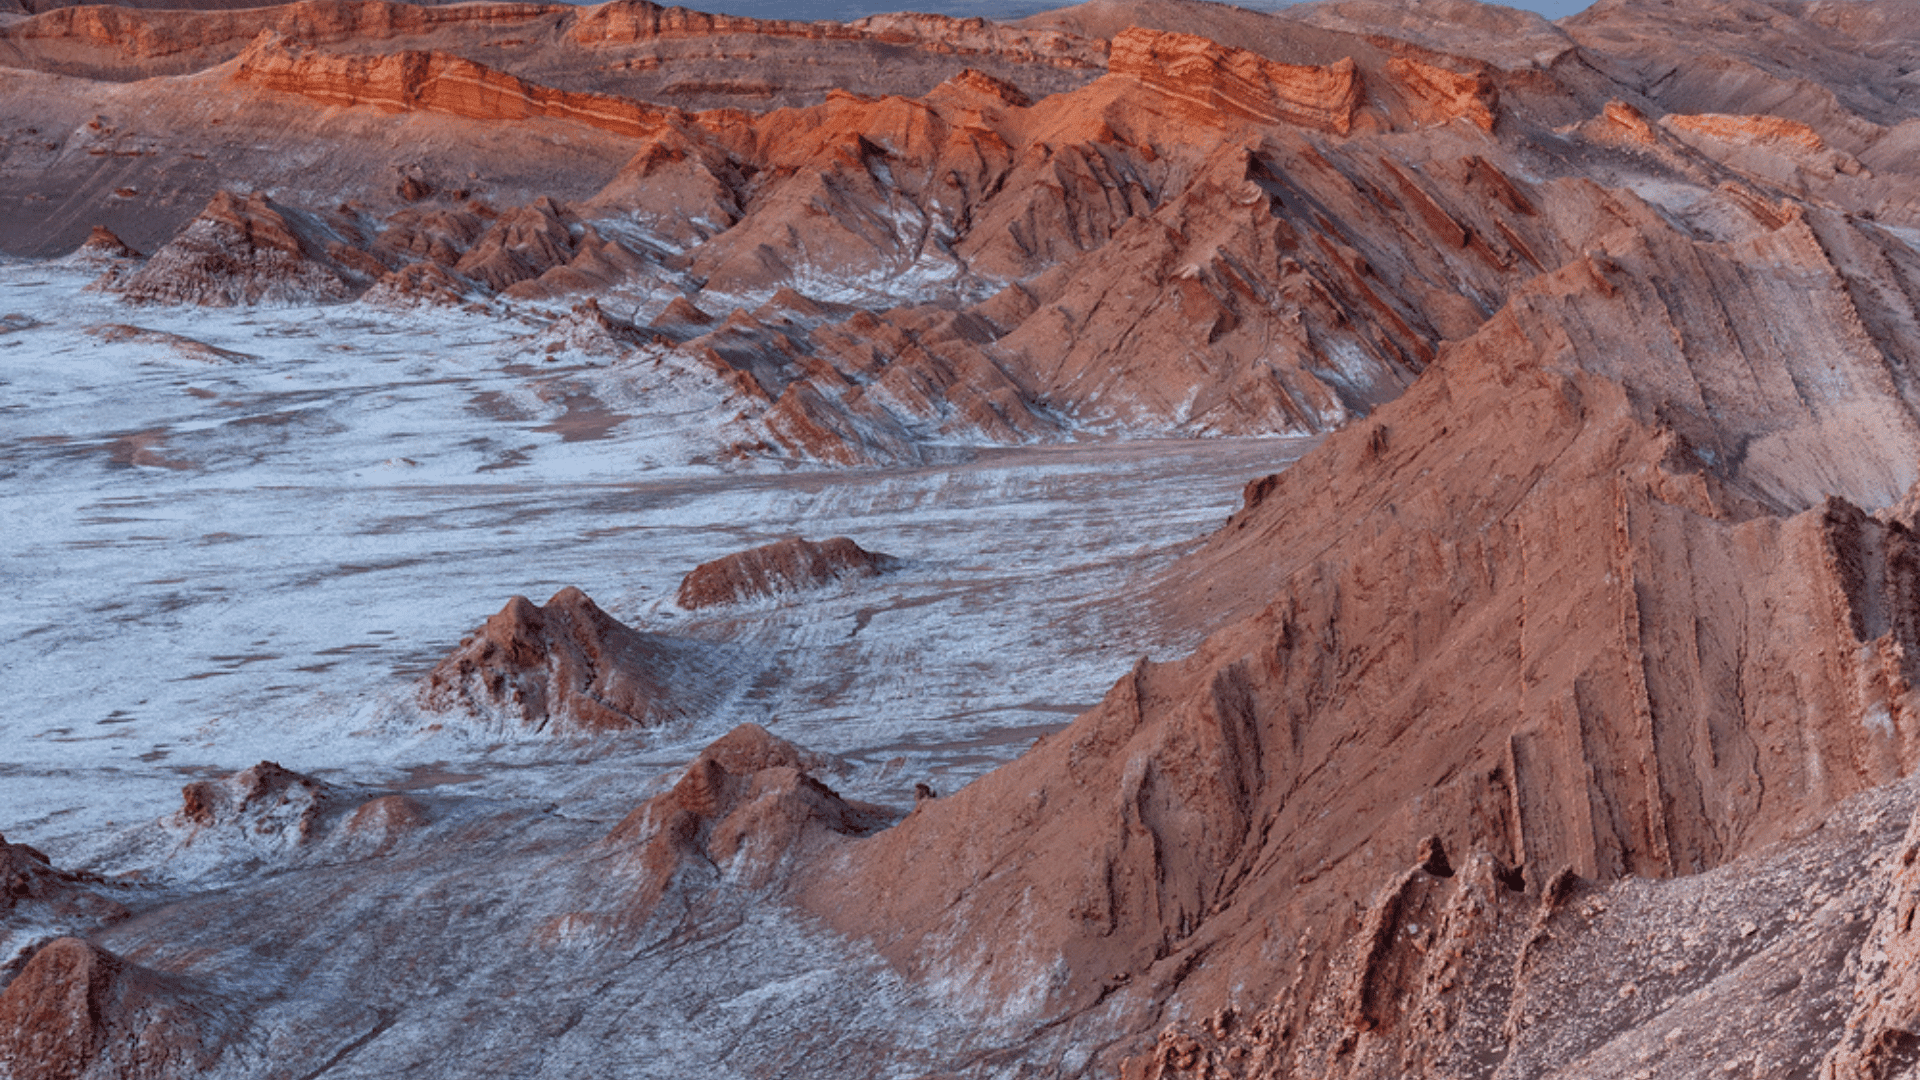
x=807, y=10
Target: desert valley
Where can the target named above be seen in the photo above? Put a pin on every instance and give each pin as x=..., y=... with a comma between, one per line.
x=1149, y=540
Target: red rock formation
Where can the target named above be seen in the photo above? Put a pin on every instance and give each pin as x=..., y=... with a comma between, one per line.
x=78, y=1012
x=439, y=83
x=1438, y=95
x=1221, y=82
x=1750, y=130
x=681, y=318
x=240, y=251
x=1751, y=143
x=626, y=22
x=1536, y=606
x=438, y=234
x=569, y=667
x=415, y=285
x=786, y=566
x=101, y=243
x=264, y=805
x=520, y=245
x=748, y=808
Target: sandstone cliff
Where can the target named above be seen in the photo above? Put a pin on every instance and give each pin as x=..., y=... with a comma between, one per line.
x=1540, y=606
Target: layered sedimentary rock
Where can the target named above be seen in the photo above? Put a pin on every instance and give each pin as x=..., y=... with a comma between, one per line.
x=1550, y=718
x=569, y=667
x=435, y=82
x=1234, y=82
x=665, y=54
x=785, y=566
x=241, y=250
x=1596, y=595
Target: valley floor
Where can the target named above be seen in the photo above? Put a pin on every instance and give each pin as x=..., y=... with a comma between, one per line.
x=237, y=536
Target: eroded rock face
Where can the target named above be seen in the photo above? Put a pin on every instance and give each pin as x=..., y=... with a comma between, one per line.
x=1537, y=605
x=749, y=809
x=434, y=82
x=266, y=801
x=78, y=1012
x=240, y=250
x=786, y=566
x=1223, y=82
x=569, y=667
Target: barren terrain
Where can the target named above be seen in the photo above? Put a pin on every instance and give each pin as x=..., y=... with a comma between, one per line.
x=1148, y=539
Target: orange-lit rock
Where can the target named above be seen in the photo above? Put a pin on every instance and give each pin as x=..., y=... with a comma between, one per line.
x=1219, y=82
x=790, y=565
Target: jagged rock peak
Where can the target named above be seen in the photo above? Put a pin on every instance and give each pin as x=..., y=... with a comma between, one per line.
x=101, y=243
x=262, y=799
x=982, y=84
x=784, y=566
x=569, y=667
x=748, y=806
x=241, y=250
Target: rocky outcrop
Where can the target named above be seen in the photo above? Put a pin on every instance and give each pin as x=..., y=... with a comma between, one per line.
x=78, y=1012
x=1218, y=81
x=435, y=82
x=1437, y=95
x=628, y=22
x=437, y=234
x=586, y=330
x=1537, y=606
x=241, y=250
x=786, y=566
x=421, y=284
x=746, y=812
x=265, y=804
x=1752, y=143
x=520, y=245
x=125, y=39
x=101, y=243
x=568, y=667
